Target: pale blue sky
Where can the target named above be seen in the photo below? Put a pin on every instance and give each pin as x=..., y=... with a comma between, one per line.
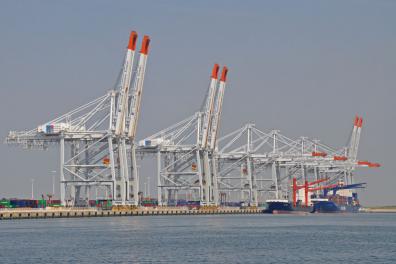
x=304, y=67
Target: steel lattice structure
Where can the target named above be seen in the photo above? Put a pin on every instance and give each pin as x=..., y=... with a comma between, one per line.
x=98, y=149
x=97, y=139
x=259, y=165
x=186, y=150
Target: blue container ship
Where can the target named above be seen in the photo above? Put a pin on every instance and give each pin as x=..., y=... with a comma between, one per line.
x=333, y=202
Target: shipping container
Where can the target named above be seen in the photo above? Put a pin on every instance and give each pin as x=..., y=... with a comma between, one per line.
x=53, y=203
x=5, y=203
x=21, y=203
x=149, y=203
x=103, y=204
x=42, y=203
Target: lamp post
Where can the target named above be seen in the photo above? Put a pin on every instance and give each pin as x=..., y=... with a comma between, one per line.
x=53, y=182
x=32, y=189
x=148, y=186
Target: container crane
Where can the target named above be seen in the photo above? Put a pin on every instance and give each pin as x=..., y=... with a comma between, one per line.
x=184, y=153
x=96, y=140
x=129, y=106
x=206, y=126
x=121, y=189
x=215, y=130
x=210, y=125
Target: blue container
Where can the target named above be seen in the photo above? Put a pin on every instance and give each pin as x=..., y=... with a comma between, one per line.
x=24, y=203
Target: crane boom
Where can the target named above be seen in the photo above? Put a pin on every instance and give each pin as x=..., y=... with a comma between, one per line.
x=138, y=88
x=218, y=108
x=125, y=83
x=357, y=139
x=209, y=106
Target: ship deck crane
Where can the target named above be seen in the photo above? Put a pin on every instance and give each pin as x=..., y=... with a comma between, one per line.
x=306, y=188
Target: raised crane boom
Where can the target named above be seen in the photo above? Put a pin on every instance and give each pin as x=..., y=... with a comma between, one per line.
x=122, y=106
x=355, y=138
x=138, y=88
x=218, y=108
x=358, y=132
x=208, y=111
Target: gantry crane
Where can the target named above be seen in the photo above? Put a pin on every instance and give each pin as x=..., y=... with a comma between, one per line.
x=210, y=125
x=185, y=151
x=214, y=133
x=255, y=165
x=126, y=117
x=96, y=140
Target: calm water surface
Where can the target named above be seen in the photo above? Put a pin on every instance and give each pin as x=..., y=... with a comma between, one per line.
x=355, y=238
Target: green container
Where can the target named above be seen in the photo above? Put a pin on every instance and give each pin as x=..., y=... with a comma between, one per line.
x=42, y=203
x=103, y=203
x=5, y=203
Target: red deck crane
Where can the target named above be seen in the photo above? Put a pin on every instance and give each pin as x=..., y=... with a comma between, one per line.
x=306, y=188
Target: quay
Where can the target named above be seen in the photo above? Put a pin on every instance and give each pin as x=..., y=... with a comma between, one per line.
x=10, y=214
x=379, y=209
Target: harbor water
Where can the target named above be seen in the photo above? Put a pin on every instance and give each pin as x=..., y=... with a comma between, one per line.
x=319, y=238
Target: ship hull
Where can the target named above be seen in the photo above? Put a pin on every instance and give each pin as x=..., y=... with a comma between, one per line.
x=332, y=207
x=285, y=207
